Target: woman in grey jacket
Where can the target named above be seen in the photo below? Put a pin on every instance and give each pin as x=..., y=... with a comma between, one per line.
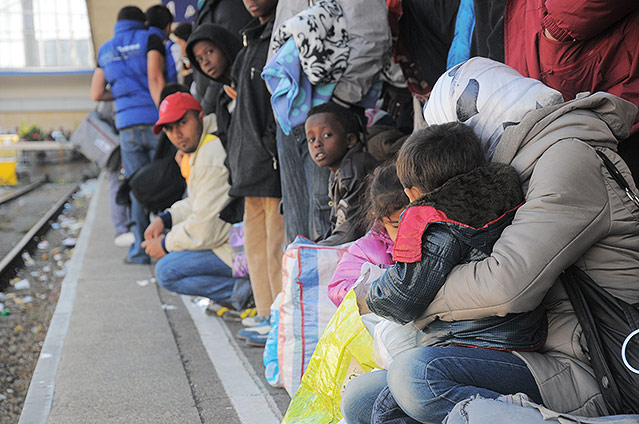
x=574, y=213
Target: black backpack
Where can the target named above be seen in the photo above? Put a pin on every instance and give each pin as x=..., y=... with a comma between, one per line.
x=611, y=328
x=158, y=184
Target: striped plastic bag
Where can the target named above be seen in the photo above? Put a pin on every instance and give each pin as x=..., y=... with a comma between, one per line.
x=307, y=269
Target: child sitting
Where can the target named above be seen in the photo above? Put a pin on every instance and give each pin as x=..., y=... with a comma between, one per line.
x=333, y=138
x=460, y=206
x=386, y=200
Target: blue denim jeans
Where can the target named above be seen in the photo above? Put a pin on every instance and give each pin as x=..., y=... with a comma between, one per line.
x=424, y=384
x=304, y=188
x=119, y=213
x=137, y=145
x=360, y=395
x=196, y=273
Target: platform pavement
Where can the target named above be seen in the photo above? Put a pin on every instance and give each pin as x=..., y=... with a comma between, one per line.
x=119, y=352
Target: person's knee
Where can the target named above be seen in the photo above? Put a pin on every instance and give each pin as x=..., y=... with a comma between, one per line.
x=359, y=396
x=164, y=272
x=408, y=380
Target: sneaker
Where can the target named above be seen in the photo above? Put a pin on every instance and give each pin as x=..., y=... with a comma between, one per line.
x=255, y=321
x=257, y=340
x=262, y=329
x=124, y=240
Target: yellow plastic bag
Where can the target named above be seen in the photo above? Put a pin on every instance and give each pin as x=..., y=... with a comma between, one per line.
x=344, y=351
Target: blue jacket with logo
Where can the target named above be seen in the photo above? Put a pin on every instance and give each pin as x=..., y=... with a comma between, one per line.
x=123, y=60
x=170, y=70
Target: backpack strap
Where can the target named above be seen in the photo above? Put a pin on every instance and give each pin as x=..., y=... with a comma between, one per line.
x=572, y=278
x=612, y=169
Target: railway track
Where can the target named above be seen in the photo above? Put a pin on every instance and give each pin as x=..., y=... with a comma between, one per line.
x=12, y=261
x=26, y=189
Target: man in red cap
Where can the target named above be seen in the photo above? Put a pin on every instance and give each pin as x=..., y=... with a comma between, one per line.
x=195, y=257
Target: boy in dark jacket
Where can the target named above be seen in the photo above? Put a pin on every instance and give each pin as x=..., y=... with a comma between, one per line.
x=252, y=158
x=230, y=15
x=211, y=50
x=333, y=138
x=460, y=206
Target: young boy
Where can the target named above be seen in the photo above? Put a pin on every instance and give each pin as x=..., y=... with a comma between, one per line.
x=333, y=138
x=211, y=49
x=460, y=206
x=252, y=158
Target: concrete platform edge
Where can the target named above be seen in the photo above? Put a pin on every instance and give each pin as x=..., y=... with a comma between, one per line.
x=39, y=398
x=251, y=400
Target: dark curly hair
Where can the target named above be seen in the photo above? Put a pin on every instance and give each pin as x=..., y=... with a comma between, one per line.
x=347, y=119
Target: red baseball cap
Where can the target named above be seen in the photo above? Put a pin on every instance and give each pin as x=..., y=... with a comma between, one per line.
x=173, y=108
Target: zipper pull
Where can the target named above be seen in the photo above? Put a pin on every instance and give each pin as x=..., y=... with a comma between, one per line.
x=252, y=73
x=244, y=40
x=274, y=163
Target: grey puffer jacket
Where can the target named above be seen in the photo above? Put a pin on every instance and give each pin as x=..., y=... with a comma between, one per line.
x=574, y=213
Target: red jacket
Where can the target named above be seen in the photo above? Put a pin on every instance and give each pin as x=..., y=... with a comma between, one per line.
x=597, y=47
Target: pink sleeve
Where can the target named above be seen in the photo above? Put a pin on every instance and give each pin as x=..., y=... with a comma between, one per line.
x=346, y=274
x=366, y=249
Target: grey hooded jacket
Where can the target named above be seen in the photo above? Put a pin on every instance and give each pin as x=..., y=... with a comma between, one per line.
x=574, y=213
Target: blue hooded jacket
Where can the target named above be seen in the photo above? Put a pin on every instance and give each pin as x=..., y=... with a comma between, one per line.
x=123, y=60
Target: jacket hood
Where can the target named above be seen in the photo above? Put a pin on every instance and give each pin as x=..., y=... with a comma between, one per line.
x=219, y=36
x=487, y=96
x=209, y=125
x=599, y=119
x=478, y=197
x=508, y=111
x=482, y=200
x=128, y=25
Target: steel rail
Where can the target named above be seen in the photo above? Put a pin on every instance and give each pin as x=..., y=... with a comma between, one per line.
x=24, y=190
x=13, y=260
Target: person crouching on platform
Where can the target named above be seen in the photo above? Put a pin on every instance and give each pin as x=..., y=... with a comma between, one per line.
x=195, y=257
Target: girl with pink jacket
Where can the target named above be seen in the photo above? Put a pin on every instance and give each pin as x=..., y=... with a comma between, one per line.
x=387, y=202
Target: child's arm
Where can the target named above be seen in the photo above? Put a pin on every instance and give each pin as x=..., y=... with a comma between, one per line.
x=367, y=249
x=405, y=290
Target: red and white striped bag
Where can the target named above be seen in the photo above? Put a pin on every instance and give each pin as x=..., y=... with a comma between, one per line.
x=307, y=269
